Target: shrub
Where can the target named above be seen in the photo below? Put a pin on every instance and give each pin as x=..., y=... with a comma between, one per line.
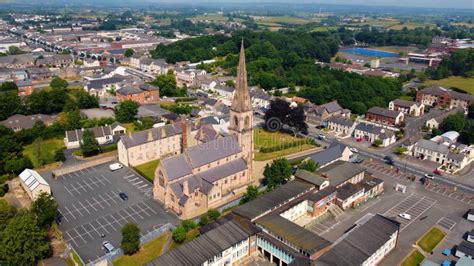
x=59, y=156
x=188, y=225
x=179, y=234
x=130, y=238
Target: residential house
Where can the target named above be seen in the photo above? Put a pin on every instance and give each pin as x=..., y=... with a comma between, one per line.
x=407, y=107
x=370, y=133
x=25, y=87
x=341, y=125
x=206, y=83
x=335, y=152
x=19, y=122
x=188, y=76
x=318, y=114
x=39, y=73
x=260, y=98
x=437, y=120
x=443, y=97
x=145, y=93
x=18, y=61
x=224, y=91
x=89, y=62
x=429, y=150
x=99, y=87
x=34, y=184
x=104, y=135
x=159, y=67
x=384, y=116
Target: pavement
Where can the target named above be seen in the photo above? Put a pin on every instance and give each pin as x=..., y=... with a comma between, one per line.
x=92, y=211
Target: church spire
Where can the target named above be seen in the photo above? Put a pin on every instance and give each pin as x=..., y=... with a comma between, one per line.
x=241, y=101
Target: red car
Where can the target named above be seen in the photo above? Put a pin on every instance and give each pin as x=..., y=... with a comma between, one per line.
x=437, y=172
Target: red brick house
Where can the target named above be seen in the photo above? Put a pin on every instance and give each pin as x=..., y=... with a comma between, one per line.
x=444, y=97
x=384, y=116
x=145, y=93
x=25, y=87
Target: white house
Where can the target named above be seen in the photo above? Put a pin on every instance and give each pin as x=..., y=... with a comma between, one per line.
x=33, y=183
x=370, y=133
x=407, y=107
x=103, y=135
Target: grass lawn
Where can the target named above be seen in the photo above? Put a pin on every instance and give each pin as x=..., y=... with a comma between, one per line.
x=147, y=253
x=465, y=84
x=148, y=169
x=192, y=234
x=285, y=20
x=407, y=97
x=47, y=148
x=130, y=127
x=415, y=259
x=267, y=139
x=431, y=239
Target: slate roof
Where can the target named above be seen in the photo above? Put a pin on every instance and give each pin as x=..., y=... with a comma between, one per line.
x=76, y=134
x=176, y=166
x=360, y=243
x=204, y=247
x=211, y=151
x=331, y=107
x=25, y=122
x=340, y=171
x=310, y=177
x=433, y=146
x=293, y=233
x=340, y=120
x=100, y=83
x=223, y=170
x=151, y=110
x=272, y=199
x=148, y=87
x=383, y=112
x=332, y=153
x=321, y=194
x=404, y=103
x=347, y=190
x=436, y=90
x=128, y=91
x=382, y=133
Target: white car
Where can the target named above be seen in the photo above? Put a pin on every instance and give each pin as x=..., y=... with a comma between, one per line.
x=354, y=150
x=405, y=216
x=107, y=247
x=115, y=166
x=429, y=176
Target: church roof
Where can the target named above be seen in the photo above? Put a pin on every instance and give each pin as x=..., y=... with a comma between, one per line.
x=241, y=101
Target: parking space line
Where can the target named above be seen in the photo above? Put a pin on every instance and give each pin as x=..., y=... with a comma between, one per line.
x=139, y=182
x=142, y=186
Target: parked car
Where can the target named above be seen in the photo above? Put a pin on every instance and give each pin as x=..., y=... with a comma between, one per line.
x=107, y=247
x=388, y=160
x=405, y=216
x=321, y=137
x=115, y=166
x=437, y=172
x=123, y=196
x=354, y=150
x=428, y=176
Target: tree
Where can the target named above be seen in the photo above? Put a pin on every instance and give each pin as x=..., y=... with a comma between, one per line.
x=89, y=145
x=130, y=238
x=453, y=122
x=144, y=123
x=13, y=50
x=167, y=85
x=213, y=214
x=7, y=212
x=58, y=83
x=179, y=234
x=87, y=101
x=277, y=173
x=59, y=156
x=377, y=143
x=400, y=150
x=17, y=165
x=471, y=111
x=9, y=86
x=188, y=224
x=309, y=165
x=126, y=111
x=45, y=208
x=129, y=52
x=23, y=241
x=251, y=194
x=10, y=104
x=281, y=111
x=73, y=120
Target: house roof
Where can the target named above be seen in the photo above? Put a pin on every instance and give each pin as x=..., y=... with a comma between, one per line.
x=382, y=133
x=383, y=112
x=355, y=247
x=436, y=90
x=332, y=153
x=204, y=247
x=76, y=134
x=432, y=146
x=129, y=91
x=347, y=190
x=100, y=83
x=27, y=121
x=272, y=199
x=340, y=171
x=404, y=103
x=340, y=120
x=293, y=233
x=331, y=107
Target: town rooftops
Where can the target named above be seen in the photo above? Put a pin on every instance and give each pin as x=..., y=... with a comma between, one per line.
x=332, y=153
x=204, y=247
x=432, y=146
x=294, y=234
x=310, y=177
x=404, y=103
x=359, y=244
x=383, y=112
x=272, y=200
x=340, y=120
x=99, y=83
x=102, y=131
x=382, y=133
x=18, y=121
x=129, y=91
x=438, y=91
x=331, y=107
x=340, y=171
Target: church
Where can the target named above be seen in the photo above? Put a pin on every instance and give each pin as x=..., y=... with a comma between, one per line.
x=211, y=174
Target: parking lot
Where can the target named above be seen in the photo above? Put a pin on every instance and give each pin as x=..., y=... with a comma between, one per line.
x=92, y=210
x=414, y=205
x=449, y=192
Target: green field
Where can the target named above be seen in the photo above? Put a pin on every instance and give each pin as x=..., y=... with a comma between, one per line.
x=324, y=28
x=465, y=84
x=147, y=253
x=284, y=20
x=148, y=169
x=267, y=139
x=431, y=239
x=415, y=259
x=411, y=25
x=213, y=17
x=44, y=149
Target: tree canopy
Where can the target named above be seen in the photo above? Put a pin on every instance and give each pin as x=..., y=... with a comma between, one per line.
x=45, y=208
x=251, y=194
x=126, y=111
x=277, y=173
x=89, y=145
x=130, y=238
x=291, y=116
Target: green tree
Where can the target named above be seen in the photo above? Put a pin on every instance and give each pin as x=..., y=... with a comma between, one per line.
x=73, y=120
x=7, y=212
x=167, y=85
x=89, y=145
x=129, y=52
x=144, y=123
x=188, y=224
x=126, y=111
x=130, y=238
x=58, y=83
x=17, y=165
x=309, y=165
x=45, y=208
x=10, y=104
x=213, y=214
x=38, y=151
x=400, y=150
x=377, y=143
x=9, y=86
x=13, y=50
x=277, y=173
x=179, y=234
x=59, y=156
x=251, y=194
x=453, y=122
x=23, y=241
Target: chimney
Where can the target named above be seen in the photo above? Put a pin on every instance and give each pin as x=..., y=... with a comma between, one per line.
x=150, y=135
x=163, y=132
x=185, y=187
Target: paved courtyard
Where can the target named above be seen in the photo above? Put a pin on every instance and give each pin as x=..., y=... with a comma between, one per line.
x=92, y=210
x=414, y=205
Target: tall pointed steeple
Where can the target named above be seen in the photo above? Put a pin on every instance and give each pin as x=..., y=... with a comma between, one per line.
x=241, y=101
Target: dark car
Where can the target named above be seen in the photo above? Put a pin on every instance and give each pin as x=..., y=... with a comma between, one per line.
x=388, y=160
x=123, y=196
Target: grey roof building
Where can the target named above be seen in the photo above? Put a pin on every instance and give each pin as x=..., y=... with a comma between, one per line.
x=341, y=172
x=333, y=153
x=432, y=146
